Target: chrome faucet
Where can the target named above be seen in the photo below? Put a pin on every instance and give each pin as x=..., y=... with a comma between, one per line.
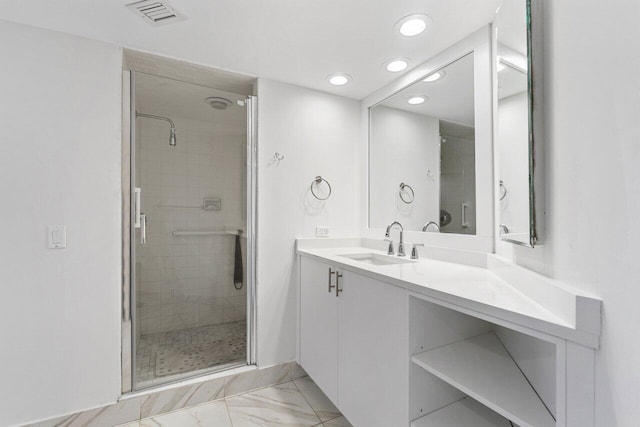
x=401, y=244
x=435, y=224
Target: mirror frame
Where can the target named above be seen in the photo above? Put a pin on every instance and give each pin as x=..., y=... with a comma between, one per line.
x=536, y=125
x=480, y=44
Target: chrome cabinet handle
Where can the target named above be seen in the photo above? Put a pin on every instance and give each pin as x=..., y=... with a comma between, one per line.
x=143, y=229
x=338, y=289
x=331, y=272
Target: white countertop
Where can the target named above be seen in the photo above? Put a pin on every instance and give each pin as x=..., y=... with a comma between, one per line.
x=478, y=291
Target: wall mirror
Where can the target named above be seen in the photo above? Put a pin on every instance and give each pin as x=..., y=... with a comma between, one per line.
x=516, y=145
x=422, y=153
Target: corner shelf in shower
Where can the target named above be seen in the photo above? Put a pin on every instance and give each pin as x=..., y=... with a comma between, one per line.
x=482, y=368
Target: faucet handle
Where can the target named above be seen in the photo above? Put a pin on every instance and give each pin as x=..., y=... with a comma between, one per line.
x=390, y=250
x=414, y=250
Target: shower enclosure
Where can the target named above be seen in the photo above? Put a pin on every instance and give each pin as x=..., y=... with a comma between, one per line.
x=191, y=230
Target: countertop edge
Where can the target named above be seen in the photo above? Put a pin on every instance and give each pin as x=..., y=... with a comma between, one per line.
x=485, y=311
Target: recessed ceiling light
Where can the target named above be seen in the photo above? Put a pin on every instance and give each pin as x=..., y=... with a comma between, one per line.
x=396, y=65
x=435, y=76
x=339, y=79
x=412, y=25
x=417, y=100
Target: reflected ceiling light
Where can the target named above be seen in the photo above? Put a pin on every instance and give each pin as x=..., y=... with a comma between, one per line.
x=417, y=100
x=339, y=79
x=435, y=76
x=412, y=25
x=396, y=65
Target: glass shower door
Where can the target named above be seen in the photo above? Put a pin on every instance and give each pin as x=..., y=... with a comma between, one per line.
x=190, y=231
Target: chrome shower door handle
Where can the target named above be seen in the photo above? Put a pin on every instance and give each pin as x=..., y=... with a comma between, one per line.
x=136, y=207
x=464, y=222
x=331, y=273
x=143, y=229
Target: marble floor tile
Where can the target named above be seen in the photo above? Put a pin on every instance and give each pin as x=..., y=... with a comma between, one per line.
x=182, y=397
x=255, y=379
x=277, y=406
x=296, y=371
x=317, y=399
x=107, y=416
x=338, y=422
x=212, y=414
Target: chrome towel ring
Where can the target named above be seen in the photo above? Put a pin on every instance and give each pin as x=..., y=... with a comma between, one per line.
x=316, y=182
x=404, y=191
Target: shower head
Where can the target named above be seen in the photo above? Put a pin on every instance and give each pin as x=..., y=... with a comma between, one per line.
x=172, y=136
x=172, y=130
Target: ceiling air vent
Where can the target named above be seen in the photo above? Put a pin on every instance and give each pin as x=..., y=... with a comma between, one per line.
x=155, y=12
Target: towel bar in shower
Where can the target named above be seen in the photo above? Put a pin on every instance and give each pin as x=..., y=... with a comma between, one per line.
x=207, y=233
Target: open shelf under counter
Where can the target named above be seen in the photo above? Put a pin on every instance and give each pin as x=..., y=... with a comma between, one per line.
x=482, y=368
x=463, y=413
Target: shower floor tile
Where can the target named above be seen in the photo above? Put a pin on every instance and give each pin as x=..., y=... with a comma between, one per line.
x=166, y=356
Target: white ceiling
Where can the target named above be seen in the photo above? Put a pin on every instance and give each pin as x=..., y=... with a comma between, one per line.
x=295, y=41
x=449, y=98
x=171, y=98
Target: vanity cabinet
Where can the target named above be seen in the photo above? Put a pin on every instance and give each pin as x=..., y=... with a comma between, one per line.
x=319, y=326
x=432, y=343
x=353, y=343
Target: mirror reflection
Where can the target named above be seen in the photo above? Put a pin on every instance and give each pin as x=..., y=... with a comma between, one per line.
x=513, y=130
x=422, y=154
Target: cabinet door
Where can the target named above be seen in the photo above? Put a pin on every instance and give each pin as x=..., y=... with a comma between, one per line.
x=372, y=352
x=319, y=326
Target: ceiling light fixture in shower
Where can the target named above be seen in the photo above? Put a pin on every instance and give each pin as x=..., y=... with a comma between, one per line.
x=218, y=103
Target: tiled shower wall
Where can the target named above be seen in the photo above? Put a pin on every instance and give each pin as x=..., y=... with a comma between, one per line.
x=185, y=282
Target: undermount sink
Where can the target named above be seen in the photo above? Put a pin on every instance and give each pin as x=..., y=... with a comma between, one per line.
x=377, y=259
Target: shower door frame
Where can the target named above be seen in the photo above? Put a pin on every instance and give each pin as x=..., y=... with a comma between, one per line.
x=128, y=312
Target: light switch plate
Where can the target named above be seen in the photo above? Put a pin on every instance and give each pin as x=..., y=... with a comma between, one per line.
x=322, y=231
x=57, y=236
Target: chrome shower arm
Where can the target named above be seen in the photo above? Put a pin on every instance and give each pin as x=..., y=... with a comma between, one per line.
x=172, y=131
x=151, y=116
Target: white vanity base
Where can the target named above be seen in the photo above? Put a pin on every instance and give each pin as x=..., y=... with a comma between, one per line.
x=412, y=343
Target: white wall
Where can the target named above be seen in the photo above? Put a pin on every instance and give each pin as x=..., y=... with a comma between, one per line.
x=404, y=146
x=318, y=135
x=592, y=106
x=59, y=164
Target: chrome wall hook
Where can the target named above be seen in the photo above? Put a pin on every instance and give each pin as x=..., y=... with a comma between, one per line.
x=275, y=160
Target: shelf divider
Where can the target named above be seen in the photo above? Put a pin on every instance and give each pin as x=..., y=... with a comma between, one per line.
x=463, y=413
x=482, y=368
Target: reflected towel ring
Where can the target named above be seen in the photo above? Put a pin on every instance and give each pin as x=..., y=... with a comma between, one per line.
x=317, y=182
x=403, y=187
x=503, y=190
